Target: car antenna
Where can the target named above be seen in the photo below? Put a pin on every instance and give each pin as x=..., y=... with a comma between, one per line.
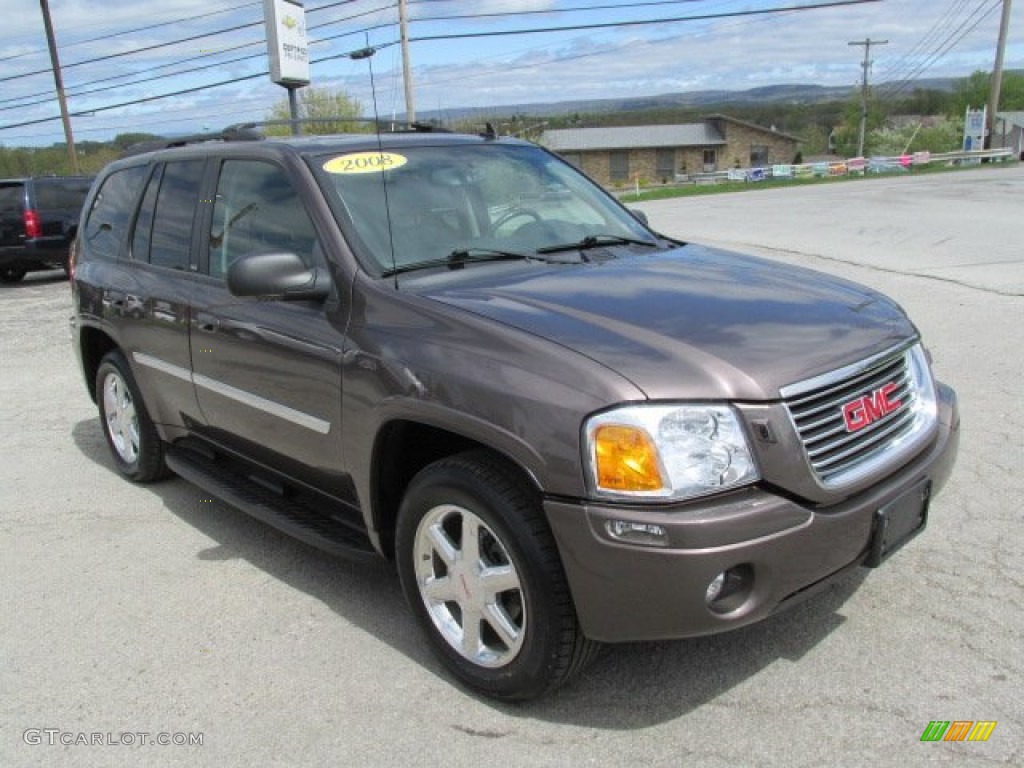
x=367, y=53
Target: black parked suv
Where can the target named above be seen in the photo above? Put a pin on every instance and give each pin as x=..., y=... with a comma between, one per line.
x=458, y=353
x=38, y=221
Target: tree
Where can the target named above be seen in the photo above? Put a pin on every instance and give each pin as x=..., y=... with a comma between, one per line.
x=846, y=135
x=320, y=103
x=974, y=91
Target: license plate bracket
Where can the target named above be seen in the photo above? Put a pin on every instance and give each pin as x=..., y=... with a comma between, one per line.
x=898, y=522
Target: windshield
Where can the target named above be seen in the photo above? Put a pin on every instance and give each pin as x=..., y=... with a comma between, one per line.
x=444, y=200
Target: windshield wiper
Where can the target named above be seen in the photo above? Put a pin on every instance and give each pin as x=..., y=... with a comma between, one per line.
x=459, y=257
x=595, y=241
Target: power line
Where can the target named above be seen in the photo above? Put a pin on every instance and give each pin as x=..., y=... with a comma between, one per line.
x=950, y=42
x=133, y=31
x=603, y=25
x=643, y=22
x=77, y=92
x=190, y=38
x=185, y=91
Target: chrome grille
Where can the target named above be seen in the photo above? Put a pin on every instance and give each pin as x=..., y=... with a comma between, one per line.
x=834, y=450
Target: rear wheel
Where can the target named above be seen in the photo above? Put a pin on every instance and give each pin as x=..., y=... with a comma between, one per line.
x=11, y=274
x=482, y=574
x=133, y=440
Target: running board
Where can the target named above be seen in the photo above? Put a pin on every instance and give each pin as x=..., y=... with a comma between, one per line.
x=291, y=517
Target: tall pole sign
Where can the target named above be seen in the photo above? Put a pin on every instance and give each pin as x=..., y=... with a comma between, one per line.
x=287, y=48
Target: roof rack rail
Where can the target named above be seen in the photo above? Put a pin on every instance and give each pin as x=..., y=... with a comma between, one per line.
x=379, y=125
x=232, y=133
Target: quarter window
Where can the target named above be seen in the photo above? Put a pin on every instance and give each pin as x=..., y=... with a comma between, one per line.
x=111, y=212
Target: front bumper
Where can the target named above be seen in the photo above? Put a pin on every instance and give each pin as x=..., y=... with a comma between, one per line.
x=625, y=592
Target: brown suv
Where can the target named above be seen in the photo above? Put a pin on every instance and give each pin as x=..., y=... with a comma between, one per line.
x=460, y=354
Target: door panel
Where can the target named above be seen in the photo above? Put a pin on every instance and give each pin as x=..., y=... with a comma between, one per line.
x=267, y=373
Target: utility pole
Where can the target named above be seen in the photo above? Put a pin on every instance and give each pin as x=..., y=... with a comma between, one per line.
x=997, y=76
x=866, y=65
x=59, y=83
x=403, y=25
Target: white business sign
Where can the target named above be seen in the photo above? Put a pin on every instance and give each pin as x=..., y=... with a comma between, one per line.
x=286, y=41
x=974, y=128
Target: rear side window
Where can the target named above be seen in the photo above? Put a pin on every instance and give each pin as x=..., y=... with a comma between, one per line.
x=11, y=198
x=61, y=194
x=111, y=213
x=176, y=204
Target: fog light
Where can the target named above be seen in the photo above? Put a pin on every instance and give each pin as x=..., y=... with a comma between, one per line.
x=715, y=588
x=637, y=533
x=729, y=589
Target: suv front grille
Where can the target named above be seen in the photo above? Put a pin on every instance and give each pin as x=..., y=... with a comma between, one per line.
x=854, y=420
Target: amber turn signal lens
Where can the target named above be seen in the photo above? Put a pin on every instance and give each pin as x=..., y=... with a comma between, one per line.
x=626, y=459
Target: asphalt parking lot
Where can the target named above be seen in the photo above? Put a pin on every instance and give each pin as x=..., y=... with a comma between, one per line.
x=131, y=610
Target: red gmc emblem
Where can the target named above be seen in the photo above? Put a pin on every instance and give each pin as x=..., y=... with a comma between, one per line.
x=870, y=408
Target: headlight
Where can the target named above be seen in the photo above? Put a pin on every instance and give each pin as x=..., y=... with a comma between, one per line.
x=667, y=451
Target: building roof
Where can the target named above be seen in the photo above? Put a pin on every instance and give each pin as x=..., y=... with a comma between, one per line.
x=1016, y=119
x=632, y=137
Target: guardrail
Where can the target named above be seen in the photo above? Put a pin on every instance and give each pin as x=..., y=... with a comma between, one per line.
x=856, y=165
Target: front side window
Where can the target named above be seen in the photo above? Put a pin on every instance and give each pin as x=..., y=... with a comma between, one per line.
x=111, y=213
x=257, y=210
x=417, y=204
x=759, y=156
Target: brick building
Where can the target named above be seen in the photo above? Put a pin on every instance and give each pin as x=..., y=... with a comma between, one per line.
x=656, y=154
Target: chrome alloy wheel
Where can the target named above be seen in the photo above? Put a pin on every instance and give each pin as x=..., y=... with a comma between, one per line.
x=470, y=586
x=122, y=421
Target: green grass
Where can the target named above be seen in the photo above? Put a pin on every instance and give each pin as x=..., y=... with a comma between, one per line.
x=725, y=187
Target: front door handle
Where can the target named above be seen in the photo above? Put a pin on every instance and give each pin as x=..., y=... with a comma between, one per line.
x=207, y=323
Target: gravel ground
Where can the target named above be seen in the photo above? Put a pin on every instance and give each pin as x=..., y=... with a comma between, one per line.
x=155, y=610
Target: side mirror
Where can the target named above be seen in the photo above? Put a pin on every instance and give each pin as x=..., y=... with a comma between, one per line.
x=640, y=216
x=281, y=276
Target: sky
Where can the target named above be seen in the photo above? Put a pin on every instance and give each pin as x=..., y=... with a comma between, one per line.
x=190, y=44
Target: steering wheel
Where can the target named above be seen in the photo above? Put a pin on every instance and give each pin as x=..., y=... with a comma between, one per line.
x=515, y=213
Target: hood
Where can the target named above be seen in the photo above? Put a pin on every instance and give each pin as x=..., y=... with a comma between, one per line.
x=691, y=322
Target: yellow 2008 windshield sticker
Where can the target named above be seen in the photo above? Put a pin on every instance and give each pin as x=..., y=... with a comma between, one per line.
x=365, y=162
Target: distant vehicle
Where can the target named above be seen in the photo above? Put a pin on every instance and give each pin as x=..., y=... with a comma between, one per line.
x=38, y=221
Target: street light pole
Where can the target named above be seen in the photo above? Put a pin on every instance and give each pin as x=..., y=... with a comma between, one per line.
x=59, y=83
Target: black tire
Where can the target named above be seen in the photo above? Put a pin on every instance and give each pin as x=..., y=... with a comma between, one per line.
x=527, y=640
x=11, y=274
x=134, y=443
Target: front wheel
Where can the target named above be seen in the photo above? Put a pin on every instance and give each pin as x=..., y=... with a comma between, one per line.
x=482, y=574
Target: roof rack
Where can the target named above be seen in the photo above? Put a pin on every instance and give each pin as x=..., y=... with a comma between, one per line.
x=248, y=132
x=379, y=125
x=232, y=133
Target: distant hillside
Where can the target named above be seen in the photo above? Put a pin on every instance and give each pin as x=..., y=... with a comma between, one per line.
x=771, y=94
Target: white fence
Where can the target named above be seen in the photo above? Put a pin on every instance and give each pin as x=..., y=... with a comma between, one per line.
x=853, y=166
